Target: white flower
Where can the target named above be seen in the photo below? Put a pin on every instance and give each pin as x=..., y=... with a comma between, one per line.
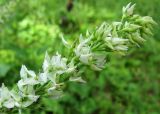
x=9, y=103
x=52, y=77
x=28, y=77
x=83, y=51
x=128, y=10
x=28, y=96
x=25, y=97
x=29, y=99
x=120, y=44
x=57, y=64
x=53, y=67
x=99, y=61
x=6, y=99
x=43, y=77
x=60, y=65
x=16, y=96
x=116, y=44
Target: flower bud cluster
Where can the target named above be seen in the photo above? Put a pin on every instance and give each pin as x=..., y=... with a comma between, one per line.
x=136, y=28
x=133, y=29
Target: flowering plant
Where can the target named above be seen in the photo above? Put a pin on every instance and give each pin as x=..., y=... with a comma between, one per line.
x=90, y=50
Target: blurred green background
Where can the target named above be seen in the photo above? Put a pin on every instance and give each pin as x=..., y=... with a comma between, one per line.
x=128, y=85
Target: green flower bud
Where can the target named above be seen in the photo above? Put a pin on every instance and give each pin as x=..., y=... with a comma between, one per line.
x=147, y=31
x=137, y=38
x=146, y=20
x=128, y=10
x=135, y=17
x=130, y=27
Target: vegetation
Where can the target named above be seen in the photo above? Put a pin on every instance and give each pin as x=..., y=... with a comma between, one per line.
x=118, y=60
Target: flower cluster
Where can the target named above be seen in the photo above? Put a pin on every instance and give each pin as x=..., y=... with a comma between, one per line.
x=90, y=50
x=25, y=94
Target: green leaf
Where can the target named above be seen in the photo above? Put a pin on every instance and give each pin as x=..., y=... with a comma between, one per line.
x=4, y=68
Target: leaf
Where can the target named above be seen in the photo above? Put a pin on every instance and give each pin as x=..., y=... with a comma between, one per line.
x=4, y=68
